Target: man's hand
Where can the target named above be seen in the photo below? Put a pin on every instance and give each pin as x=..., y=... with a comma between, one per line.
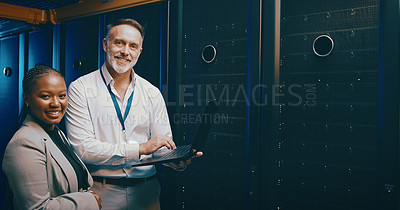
x=156, y=143
x=98, y=199
x=181, y=165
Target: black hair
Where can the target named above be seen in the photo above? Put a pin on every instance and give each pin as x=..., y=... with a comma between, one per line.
x=126, y=21
x=28, y=82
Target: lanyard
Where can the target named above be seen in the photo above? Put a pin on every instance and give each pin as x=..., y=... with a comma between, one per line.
x=116, y=106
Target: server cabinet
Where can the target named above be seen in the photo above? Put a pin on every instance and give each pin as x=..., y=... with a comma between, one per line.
x=81, y=47
x=211, y=63
x=40, y=47
x=9, y=92
x=9, y=95
x=328, y=148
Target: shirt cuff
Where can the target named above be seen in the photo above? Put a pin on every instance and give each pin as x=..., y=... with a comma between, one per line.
x=132, y=151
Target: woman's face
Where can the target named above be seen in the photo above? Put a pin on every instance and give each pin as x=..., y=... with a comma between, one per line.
x=48, y=99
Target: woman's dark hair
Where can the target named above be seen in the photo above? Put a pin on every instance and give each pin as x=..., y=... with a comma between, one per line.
x=29, y=82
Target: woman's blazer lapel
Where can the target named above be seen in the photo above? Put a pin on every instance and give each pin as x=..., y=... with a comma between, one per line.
x=56, y=154
x=64, y=164
x=90, y=179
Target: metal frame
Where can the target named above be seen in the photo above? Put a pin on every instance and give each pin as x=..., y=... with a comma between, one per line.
x=22, y=65
x=253, y=119
x=270, y=51
x=93, y=7
x=173, y=74
x=388, y=131
x=25, y=14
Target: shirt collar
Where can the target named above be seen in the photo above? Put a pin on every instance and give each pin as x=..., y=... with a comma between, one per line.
x=108, y=77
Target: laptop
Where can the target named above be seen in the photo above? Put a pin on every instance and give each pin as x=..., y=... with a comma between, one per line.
x=185, y=151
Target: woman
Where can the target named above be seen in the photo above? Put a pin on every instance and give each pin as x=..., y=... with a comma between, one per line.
x=42, y=170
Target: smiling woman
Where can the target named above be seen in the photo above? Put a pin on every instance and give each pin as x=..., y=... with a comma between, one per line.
x=42, y=169
x=48, y=100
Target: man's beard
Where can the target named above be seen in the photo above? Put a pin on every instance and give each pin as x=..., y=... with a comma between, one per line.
x=119, y=68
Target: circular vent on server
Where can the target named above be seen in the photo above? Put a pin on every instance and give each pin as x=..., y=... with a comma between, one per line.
x=209, y=53
x=323, y=45
x=7, y=71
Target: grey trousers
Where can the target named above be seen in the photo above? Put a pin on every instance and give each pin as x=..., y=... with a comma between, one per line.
x=143, y=196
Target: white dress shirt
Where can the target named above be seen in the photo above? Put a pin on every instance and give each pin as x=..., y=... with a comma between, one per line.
x=96, y=133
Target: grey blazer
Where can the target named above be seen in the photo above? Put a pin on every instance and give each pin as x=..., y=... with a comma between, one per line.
x=39, y=175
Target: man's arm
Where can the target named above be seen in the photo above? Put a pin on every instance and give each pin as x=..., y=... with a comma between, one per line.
x=81, y=133
x=80, y=130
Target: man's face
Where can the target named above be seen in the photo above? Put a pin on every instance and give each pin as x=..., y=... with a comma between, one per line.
x=123, y=47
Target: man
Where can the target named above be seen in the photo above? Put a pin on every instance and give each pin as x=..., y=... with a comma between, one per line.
x=116, y=117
